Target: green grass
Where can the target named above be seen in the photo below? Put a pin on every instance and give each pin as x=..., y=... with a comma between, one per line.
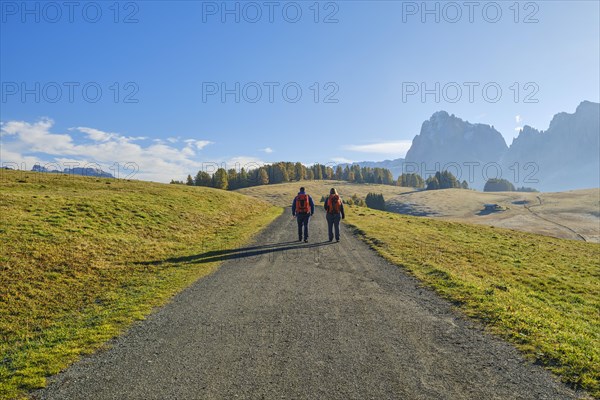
x=73, y=261
x=540, y=293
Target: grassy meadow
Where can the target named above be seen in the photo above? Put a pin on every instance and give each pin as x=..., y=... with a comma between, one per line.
x=568, y=215
x=81, y=260
x=283, y=194
x=76, y=261
x=540, y=293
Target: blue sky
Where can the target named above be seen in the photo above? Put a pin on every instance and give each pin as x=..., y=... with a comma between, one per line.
x=161, y=68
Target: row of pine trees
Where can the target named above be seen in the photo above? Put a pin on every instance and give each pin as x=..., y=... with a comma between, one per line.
x=444, y=180
x=281, y=172
x=503, y=185
x=288, y=172
x=441, y=180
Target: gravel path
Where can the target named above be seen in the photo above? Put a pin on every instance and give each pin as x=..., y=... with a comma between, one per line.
x=305, y=321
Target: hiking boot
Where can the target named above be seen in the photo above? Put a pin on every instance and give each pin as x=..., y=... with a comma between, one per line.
x=305, y=240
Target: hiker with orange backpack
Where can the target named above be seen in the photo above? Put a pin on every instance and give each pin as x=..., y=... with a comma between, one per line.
x=303, y=208
x=335, y=213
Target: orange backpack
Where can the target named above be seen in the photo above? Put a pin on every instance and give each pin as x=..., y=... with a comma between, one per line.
x=302, y=203
x=335, y=204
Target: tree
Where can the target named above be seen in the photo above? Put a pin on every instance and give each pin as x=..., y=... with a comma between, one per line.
x=243, y=178
x=318, y=172
x=346, y=174
x=323, y=171
x=442, y=180
x=279, y=174
x=527, y=189
x=375, y=201
x=284, y=173
x=447, y=180
x=498, y=185
x=299, y=171
x=388, y=177
x=358, y=176
x=232, y=179
x=329, y=174
x=339, y=173
x=262, y=177
x=290, y=169
x=464, y=185
x=203, y=179
x=190, y=181
x=433, y=183
x=411, y=180
x=220, y=179
x=376, y=175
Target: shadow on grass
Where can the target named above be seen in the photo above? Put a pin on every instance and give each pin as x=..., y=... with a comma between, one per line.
x=488, y=212
x=237, y=253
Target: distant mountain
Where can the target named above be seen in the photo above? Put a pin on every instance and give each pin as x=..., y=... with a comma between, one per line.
x=448, y=142
x=95, y=172
x=566, y=156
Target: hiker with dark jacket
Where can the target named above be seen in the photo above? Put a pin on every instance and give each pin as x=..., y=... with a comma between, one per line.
x=303, y=208
x=335, y=212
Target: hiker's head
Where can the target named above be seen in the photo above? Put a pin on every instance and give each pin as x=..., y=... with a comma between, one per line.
x=333, y=191
x=302, y=189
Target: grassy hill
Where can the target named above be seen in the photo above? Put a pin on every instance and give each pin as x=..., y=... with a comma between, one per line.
x=283, y=194
x=539, y=292
x=81, y=260
x=569, y=215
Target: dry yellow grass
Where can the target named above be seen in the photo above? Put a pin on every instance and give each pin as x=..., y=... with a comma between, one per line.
x=569, y=215
x=283, y=194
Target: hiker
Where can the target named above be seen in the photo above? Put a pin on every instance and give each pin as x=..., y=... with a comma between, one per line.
x=335, y=212
x=303, y=208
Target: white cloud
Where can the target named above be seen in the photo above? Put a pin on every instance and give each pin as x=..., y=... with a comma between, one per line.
x=135, y=138
x=518, y=119
x=95, y=134
x=397, y=148
x=199, y=144
x=21, y=141
x=35, y=137
x=341, y=160
x=267, y=150
x=16, y=160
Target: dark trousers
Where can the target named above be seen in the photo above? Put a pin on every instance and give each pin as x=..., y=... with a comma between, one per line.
x=333, y=221
x=303, y=219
